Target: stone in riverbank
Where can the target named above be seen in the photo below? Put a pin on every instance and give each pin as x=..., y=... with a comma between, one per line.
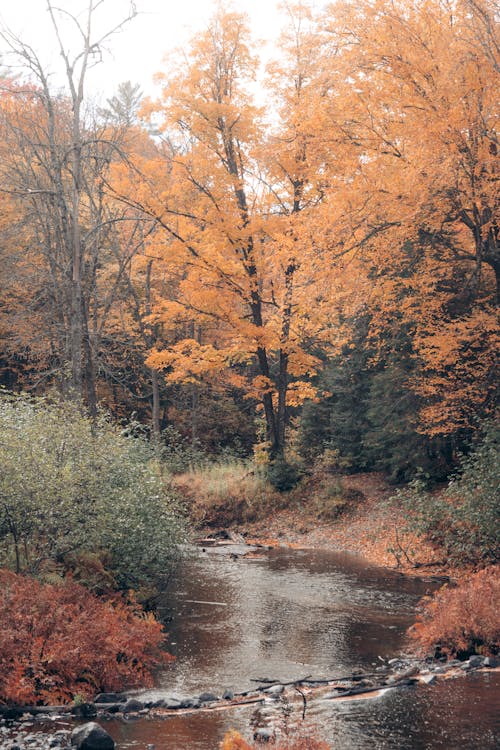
x=91, y=736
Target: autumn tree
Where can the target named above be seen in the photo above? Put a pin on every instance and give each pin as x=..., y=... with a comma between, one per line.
x=235, y=206
x=54, y=162
x=428, y=204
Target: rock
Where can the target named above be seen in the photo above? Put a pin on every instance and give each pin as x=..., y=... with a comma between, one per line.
x=207, y=698
x=492, y=662
x=172, y=703
x=132, y=706
x=189, y=703
x=476, y=661
x=274, y=690
x=110, y=698
x=428, y=679
x=263, y=734
x=227, y=695
x=84, y=710
x=91, y=736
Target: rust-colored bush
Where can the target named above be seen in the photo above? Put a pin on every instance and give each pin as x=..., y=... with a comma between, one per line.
x=462, y=620
x=234, y=741
x=57, y=641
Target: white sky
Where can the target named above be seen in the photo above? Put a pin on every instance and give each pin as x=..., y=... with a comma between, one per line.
x=137, y=52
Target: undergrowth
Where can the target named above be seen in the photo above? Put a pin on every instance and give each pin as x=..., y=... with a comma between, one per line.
x=462, y=620
x=58, y=641
x=236, y=492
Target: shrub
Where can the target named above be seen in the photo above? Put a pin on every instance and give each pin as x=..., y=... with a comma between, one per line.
x=329, y=497
x=462, y=620
x=282, y=475
x=234, y=741
x=463, y=519
x=58, y=641
x=70, y=486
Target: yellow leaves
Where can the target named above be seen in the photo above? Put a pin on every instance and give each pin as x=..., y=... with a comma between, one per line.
x=459, y=361
x=300, y=391
x=189, y=361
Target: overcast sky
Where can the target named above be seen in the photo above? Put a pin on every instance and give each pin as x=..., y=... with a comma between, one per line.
x=137, y=52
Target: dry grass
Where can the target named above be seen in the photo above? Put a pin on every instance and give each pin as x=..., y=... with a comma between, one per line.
x=235, y=493
x=226, y=494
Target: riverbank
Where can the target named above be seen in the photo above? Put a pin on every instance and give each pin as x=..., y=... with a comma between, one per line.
x=366, y=525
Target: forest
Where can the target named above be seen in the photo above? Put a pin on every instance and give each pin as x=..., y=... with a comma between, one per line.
x=287, y=264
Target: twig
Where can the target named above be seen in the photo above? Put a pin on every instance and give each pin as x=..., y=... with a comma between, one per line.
x=303, y=700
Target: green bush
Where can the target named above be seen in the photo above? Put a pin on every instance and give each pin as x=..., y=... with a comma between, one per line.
x=282, y=475
x=71, y=488
x=464, y=519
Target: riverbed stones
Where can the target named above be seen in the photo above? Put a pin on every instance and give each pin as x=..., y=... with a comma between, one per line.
x=492, y=662
x=91, y=736
x=476, y=661
x=207, y=698
x=171, y=703
x=132, y=706
x=263, y=734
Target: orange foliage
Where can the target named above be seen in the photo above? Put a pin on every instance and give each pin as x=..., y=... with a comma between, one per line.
x=249, y=241
x=57, y=641
x=463, y=619
x=234, y=741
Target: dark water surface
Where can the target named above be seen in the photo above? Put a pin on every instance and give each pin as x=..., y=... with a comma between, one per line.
x=287, y=614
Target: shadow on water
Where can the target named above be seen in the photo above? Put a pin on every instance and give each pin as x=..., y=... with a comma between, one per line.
x=288, y=614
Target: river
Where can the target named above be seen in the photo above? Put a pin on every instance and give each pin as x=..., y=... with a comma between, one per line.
x=285, y=614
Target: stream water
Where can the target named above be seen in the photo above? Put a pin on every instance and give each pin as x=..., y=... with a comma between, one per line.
x=286, y=614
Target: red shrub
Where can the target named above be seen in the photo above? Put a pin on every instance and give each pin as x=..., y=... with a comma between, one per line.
x=463, y=619
x=57, y=641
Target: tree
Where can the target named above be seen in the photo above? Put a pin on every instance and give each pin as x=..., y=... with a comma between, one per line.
x=412, y=68
x=59, y=175
x=235, y=206
x=123, y=107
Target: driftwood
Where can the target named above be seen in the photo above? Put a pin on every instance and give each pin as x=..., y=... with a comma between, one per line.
x=220, y=706
x=372, y=689
x=310, y=681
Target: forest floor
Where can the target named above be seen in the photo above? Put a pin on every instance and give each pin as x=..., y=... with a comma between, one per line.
x=367, y=526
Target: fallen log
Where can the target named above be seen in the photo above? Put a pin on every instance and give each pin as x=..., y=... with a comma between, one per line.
x=375, y=688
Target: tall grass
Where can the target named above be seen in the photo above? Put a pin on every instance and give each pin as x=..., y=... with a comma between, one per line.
x=226, y=492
